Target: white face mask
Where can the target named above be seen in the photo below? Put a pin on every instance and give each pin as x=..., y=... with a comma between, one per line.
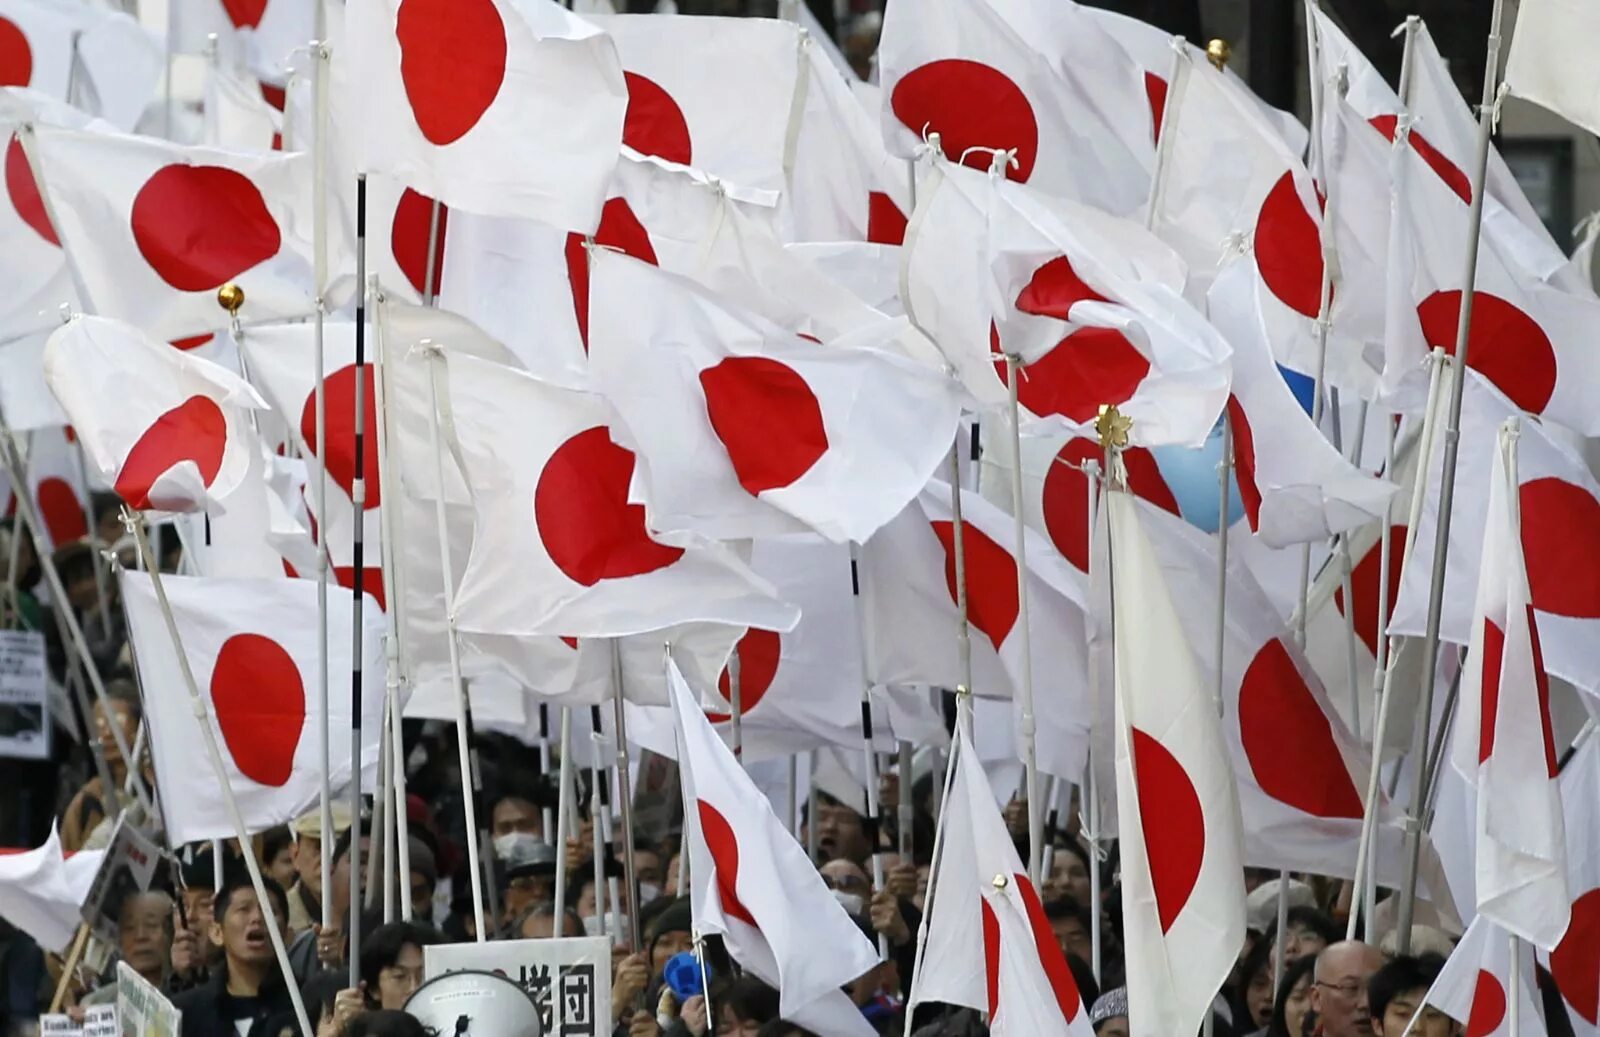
x=505, y=844
x=851, y=902
x=596, y=925
x=648, y=891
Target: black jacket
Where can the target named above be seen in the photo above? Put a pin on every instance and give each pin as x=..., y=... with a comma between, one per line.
x=202, y=1006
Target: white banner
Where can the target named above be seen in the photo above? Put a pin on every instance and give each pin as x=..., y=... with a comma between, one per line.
x=144, y=1010
x=568, y=978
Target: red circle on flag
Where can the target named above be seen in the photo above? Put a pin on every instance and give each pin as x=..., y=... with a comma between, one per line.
x=970, y=105
x=1504, y=344
x=1244, y=462
x=991, y=579
x=1575, y=962
x=1289, y=740
x=1045, y=944
x=408, y=239
x=260, y=704
x=201, y=226
x=1364, y=576
x=24, y=191
x=192, y=342
x=1288, y=249
x=339, y=400
x=1088, y=368
x=245, y=14
x=1447, y=170
x=1054, y=289
x=452, y=63
x=759, y=654
x=1488, y=1006
x=582, y=514
x=724, y=847
x=768, y=419
x=1155, y=91
x=1173, y=823
x=991, y=954
x=61, y=511
x=1560, y=526
x=16, y=56
x=1065, y=499
x=886, y=224
x=619, y=229
x=195, y=431
x=654, y=124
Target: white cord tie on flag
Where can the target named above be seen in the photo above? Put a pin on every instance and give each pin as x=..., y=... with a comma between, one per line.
x=1499, y=105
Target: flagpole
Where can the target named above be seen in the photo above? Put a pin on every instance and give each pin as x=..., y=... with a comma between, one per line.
x=429, y=293
x=736, y=700
x=905, y=810
x=319, y=216
x=625, y=794
x=870, y=775
x=1447, y=480
x=1089, y=800
x=1030, y=757
x=547, y=819
x=1514, y=1008
x=963, y=725
x=135, y=524
x=358, y=500
x=458, y=683
x=600, y=848
x=93, y=536
x=563, y=796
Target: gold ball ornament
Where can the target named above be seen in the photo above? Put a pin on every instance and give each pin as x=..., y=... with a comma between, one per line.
x=1218, y=51
x=230, y=297
x=999, y=881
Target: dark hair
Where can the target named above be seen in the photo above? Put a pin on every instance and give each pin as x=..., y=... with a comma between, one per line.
x=125, y=692
x=381, y=947
x=1257, y=961
x=1307, y=917
x=1293, y=974
x=1399, y=976
x=750, y=1000
x=236, y=879
x=273, y=840
x=385, y=1024
x=1066, y=906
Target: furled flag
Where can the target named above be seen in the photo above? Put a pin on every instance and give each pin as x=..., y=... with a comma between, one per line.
x=586, y=566
x=1475, y=986
x=100, y=61
x=1560, y=516
x=1545, y=64
x=747, y=429
x=989, y=945
x=257, y=36
x=237, y=115
x=168, y=431
x=1503, y=736
x=503, y=107
x=42, y=894
x=1092, y=305
x=1040, y=80
x=719, y=94
x=156, y=228
x=909, y=591
x=252, y=646
x=1177, y=805
x=1574, y=963
x=751, y=882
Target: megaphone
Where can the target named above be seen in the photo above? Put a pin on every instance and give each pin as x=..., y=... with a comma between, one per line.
x=474, y=1004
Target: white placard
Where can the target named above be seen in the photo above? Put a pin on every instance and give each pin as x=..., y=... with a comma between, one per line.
x=569, y=978
x=24, y=696
x=144, y=1010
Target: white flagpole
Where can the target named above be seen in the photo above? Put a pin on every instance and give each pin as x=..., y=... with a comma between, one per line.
x=319, y=230
x=625, y=794
x=1089, y=800
x=563, y=817
x=906, y=810
x=464, y=756
x=1514, y=1009
x=1447, y=479
x=736, y=700
x=1030, y=758
x=135, y=523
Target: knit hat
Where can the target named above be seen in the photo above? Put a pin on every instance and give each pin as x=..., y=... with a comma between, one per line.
x=1109, y=1005
x=422, y=862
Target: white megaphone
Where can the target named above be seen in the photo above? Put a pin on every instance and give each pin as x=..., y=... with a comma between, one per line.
x=474, y=1004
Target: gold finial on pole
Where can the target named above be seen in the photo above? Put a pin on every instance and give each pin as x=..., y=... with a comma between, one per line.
x=230, y=297
x=999, y=882
x=1218, y=51
x=1113, y=426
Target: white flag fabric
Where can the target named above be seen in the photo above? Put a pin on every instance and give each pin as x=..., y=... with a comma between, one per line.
x=31, y=257
x=167, y=430
x=42, y=894
x=56, y=483
x=587, y=566
x=1474, y=988
x=1502, y=730
x=989, y=945
x=255, y=35
x=1572, y=963
x=503, y=107
x=252, y=645
x=25, y=399
x=1177, y=805
x=101, y=61
x=745, y=428
x=750, y=880
x=237, y=115
x=1545, y=64
x=156, y=228
x=1091, y=304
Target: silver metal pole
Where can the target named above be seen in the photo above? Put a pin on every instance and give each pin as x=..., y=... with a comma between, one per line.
x=1030, y=756
x=625, y=794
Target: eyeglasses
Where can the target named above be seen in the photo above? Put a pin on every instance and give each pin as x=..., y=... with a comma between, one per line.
x=1349, y=989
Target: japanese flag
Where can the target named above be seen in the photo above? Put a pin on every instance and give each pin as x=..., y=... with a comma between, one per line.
x=252, y=645
x=503, y=107
x=31, y=259
x=56, y=483
x=1475, y=986
x=156, y=228
x=1502, y=730
x=751, y=882
x=42, y=894
x=25, y=400
x=168, y=431
x=1574, y=963
x=100, y=61
x=558, y=548
x=256, y=35
x=747, y=429
x=989, y=945
x=1177, y=805
x=1545, y=64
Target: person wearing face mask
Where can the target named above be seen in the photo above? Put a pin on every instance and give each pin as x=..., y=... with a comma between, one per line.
x=649, y=871
x=518, y=811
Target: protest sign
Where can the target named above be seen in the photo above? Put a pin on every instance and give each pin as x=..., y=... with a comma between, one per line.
x=101, y=1021
x=129, y=865
x=24, y=696
x=58, y=1026
x=144, y=1010
x=568, y=978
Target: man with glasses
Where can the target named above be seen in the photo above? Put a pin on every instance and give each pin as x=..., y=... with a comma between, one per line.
x=1339, y=988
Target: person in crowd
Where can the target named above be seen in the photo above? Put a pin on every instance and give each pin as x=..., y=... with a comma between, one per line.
x=841, y=831
x=325, y=946
x=746, y=1006
x=1069, y=874
x=305, y=895
x=1292, y=1005
x=1339, y=988
x=1252, y=992
x=391, y=962
x=87, y=809
x=640, y=973
x=1109, y=1013
x=1307, y=931
x=849, y=883
x=539, y=923
x=530, y=877
x=385, y=1024
x=247, y=989
x=193, y=950
x=1395, y=995
x=144, y=942
x=649, y=871
x=1072, y=926
x=518, y=811
x=424, y=880
x=277, y=856
x=24, y=981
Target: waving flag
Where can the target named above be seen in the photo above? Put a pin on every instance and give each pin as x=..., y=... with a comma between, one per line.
x=751, y=882
x=1474, y=988
x=257, y=35
x=168, y=431
x=101, y=61
x=747, y=429
x=1545, y=66
x=1574, y=963
x=989, y=945
x=42, y=894
x=1502, y=733
x=252, y=645
x=1093, y=306
x=157, y=228
x=1177, y=806
x=503, y=107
